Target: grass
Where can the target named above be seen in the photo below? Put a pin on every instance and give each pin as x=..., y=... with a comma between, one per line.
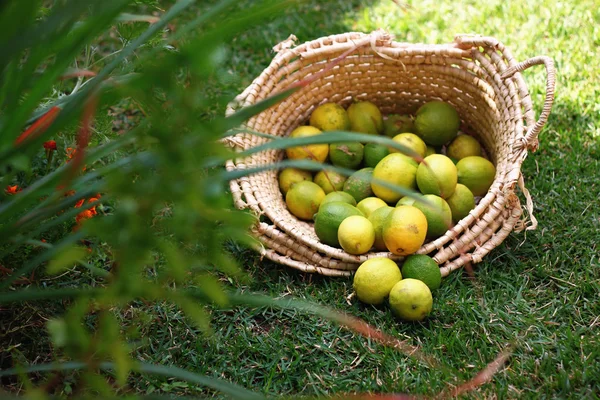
x=538, y=290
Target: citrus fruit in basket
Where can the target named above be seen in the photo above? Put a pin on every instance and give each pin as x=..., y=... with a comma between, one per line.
x=396, y=123
x=439, y=215
x=356, y=235
x=330, y=117
x=476, y=173
x=437, y=123
x=429, y=151
x=397, y=169
x=463, y=146
x=374, y=153
x=304, y=198
x=404, y=230
x=370, y=204
x=437, y=175
x=359, y=184
x=411, y=300
x=365, y=117
x=424, y=269
x=316, y=152
x=378, y=218
x=461, y=202
x=411, y=141
x=329, y=218
x=405, y=201
x=330, y=181
x=338, y=196
x=374, y=279
x=289, y=176
x=346, y=154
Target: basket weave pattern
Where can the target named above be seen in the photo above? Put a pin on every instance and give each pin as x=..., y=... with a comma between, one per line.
x=477, y=75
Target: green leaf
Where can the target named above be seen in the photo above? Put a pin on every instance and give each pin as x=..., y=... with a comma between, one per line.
x=65, y=259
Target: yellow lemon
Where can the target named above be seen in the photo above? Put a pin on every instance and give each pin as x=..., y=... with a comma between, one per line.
x=365, y=117
x=411, y=141
x=411, y=300
x=374, y=279
x=370, y=204
x=290, y=176
x=476, y=173
x=378, y=218
x=356, y=235
x=330, y=181
x=461, y=202
x=304, y=198
x=463, y=146
x=316, y=152
x=396, y=169
x=405, y=230
x=330, y=117
x=437, y=175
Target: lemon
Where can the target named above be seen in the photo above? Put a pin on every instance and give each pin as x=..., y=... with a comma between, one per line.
x=378, y=218
x=437, y=175
x=304, y=198
x=411, y=300
x=374, y=279
x=476, y=173
x=290, y=176
x=439, y=216
x=463, y=146
x=374, y=153
x=356, y=235
x=346, y=154
x=330, y=117
x=316, y=152
x=430, y=150
x=329, y=218
x=330, y=181
x=359, y=184
x=411, y=141
x=461, y=202
x=396, y=123
x=396, y=169
x=405, y=230
x=437, y=123
x=423, y=268
x=406, y=201
x=365, y=117
x=338, y=196
x=370, y=204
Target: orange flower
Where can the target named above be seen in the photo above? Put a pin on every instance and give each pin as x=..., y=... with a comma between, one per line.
x=82, y=216
x=79, y=203
x=70, y=153
x=12, y=189
x=93, y=209
x=50, y=145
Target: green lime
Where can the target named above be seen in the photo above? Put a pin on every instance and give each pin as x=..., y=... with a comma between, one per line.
x=405, y=201
x=365, y=117
x=437, y=123
x=338, y=196
x=359, y=184
x=463, y=146
x=374, y=279
x=411, y=300
x=430, y=150
x=346, y=154
x=374, y=153
x=461, y=202
x=396, y=123
x=377, y=218
x=476, y=173
x=330, y=117
x=330, y=181
x=439, y=216
x=423, y=268
x=304, y=198
x=437, y=175
x=329, y=218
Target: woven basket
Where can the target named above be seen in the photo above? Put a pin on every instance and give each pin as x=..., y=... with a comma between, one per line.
x=477, y=75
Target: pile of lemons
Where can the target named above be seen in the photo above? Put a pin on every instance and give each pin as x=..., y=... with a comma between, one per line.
x=362, y=212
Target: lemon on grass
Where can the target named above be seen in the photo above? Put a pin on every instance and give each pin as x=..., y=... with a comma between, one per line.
x=437, y=123
x=461, y=202
x=316, y=152
x=396, y=123
x=476, y=173
x=356, y=235
x=365, y=117
x=338, y=196
x=411, y=300
x=437, y=175
x=370, y=204
x=374, y=279
x=463, y=146
x=329, y=218
x=424, y=269
x=289, y=176
x=405, y=230
x=439, y=215
x=304, y=198
x=374, y=153
x=411, y=141
x=330, y=181
x=378, y=218
x=330, y=117
x=396, y=169
x=346, y=154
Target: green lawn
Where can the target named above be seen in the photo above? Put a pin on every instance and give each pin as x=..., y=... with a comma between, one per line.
x=539, y=290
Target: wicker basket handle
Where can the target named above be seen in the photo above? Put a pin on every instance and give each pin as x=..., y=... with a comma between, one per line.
x=534, y=131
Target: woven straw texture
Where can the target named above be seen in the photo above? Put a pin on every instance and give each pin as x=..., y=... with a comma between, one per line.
x=476, y=74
